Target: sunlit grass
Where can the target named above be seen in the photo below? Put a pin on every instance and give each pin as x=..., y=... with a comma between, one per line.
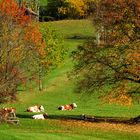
x=43, y=2
x=73, y=28
x=58, y=90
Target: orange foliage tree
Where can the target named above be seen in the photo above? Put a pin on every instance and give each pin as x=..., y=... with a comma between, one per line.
x=74, y=8
x=21, y=48
x=77, y=8
x=113, y=60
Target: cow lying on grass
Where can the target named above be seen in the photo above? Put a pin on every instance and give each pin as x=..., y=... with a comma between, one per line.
x=40, y=116
x=8, y=115
x=67, y=107
x=9, y=110
x=4, y=112
x=36, y=108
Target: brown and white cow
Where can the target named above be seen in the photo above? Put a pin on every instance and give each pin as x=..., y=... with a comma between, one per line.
x=9, y=110
x=36, y=108
x=40, y=116
x=4, y=112
x=67, y=107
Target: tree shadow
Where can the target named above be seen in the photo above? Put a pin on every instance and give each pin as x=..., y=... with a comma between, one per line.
x=50, y=116
x=78, y=36
x=29, y=116
x=97, y=119
x=124, y=120
x=70, y=117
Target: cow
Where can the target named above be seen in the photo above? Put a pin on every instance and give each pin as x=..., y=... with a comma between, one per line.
x=4, y=112
x=67, y=107
x=40, y=116
x=36, y=108
x=9, y=110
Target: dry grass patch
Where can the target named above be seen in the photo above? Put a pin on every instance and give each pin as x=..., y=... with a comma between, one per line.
x=102, y=126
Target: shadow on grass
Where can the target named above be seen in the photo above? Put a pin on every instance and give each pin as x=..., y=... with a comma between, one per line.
x=98, y=119
x=70, y=117
x=51, y=116
x=125, y=120
x=25, y=116
x=80, y=37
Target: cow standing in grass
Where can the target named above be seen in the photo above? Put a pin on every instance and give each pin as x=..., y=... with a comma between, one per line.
x=67, y=107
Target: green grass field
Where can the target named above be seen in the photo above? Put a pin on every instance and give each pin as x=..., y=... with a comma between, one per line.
x=73, y=28
x=58, y=89
x=43, y=2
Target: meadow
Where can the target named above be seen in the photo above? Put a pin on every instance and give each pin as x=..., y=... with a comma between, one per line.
x=59, y=90
x=43, y=2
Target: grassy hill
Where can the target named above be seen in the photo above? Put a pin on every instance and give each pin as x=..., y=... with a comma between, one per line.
x=43, y=2
x=60, y=90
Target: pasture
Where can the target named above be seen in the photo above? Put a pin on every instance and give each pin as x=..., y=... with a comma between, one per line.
x=43, y=2
x=59, y=90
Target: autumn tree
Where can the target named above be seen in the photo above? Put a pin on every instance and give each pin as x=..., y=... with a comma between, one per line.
x=21, y=48
x=73, y=9
x=69, y=9
x=33, y=4
x=77, y=9
x=113, y=59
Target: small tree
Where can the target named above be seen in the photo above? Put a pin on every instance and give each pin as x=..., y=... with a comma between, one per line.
x=56, y=51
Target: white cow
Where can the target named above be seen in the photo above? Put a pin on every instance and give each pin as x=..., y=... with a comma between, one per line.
x=40, y=116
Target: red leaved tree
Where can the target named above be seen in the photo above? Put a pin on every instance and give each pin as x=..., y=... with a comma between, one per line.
x=21, y=48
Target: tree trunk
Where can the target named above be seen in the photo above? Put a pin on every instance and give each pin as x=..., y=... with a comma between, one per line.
x=40, y=78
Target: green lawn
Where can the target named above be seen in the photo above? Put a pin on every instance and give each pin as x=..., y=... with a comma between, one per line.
x=73, y=28
x=43, y=2
x=59, y=89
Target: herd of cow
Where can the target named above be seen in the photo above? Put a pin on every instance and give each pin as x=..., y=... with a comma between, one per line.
x=36, y=109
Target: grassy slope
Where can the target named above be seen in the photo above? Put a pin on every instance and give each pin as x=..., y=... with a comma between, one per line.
x=70, y=28
x=60, y=90
x=43, y=2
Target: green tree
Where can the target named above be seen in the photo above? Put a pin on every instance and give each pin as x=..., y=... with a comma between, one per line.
x=52, y=8
x=56, y=51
